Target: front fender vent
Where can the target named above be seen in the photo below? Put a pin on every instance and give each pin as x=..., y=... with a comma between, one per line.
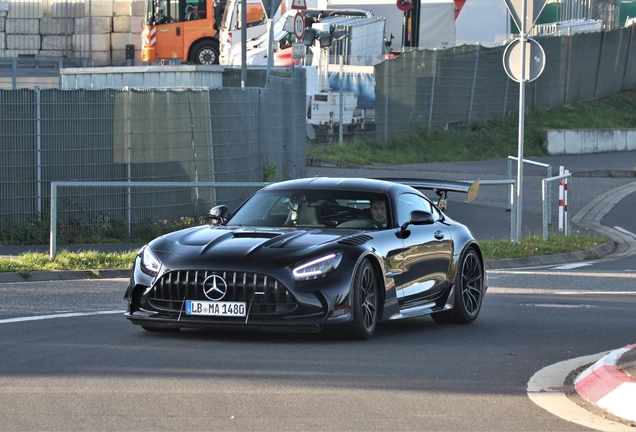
x=356, y=240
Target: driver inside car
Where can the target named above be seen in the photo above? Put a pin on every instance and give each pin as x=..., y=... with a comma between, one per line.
x=378, y=210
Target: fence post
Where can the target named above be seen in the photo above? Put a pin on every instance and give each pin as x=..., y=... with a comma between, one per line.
x=544, y=194
x=386, y=101
x=53, y=232
x=433, y=78
x=565, y=204
x=598, y=65
x=38, y=141
x=561, y=199
x=60, y=66
x=472, y=90
x=128, y=163
x=14, y=73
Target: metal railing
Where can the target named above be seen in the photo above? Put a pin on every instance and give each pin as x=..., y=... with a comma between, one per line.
x=513, y=225
x=545, y=190
x=513, y=214
x=129, y=185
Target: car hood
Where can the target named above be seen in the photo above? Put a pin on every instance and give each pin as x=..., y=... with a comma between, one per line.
x=241, y=243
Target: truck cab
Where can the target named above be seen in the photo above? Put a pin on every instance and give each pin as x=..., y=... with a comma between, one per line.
x=182, y=30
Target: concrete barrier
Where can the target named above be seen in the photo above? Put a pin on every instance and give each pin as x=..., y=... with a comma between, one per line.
x=569, y=141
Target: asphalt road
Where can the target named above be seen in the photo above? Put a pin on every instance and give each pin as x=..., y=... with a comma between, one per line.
x=69, y=360
x=98, y=372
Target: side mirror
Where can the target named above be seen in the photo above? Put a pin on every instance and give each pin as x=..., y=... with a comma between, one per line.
x=219, y=214
x=417, y=217
x=420, y=217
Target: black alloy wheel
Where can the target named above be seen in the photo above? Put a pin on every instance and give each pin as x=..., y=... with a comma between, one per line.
x=469, y=291
x=365, y=302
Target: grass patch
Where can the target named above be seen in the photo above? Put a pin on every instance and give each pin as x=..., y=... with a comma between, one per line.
x=89, y=260
x=535, y=246
x=495, y=139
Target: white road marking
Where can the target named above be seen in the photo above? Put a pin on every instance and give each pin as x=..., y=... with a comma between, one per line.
x=571, y=266
x=545, y=389
x=557, y=273
x=507, y=290
x=62, y=315
x=624, y=231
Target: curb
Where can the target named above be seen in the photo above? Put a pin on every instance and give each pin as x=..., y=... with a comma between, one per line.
x=537, y=261
x=43, y=276
x=605, y=385
x=46, y=276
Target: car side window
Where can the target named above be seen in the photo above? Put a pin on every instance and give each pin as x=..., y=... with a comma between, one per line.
x=408, y=202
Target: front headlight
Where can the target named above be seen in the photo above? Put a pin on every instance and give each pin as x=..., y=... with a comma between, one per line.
x=149, y=264
x=317, y=268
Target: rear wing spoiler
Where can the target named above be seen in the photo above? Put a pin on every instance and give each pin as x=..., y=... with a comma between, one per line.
x=442, y=188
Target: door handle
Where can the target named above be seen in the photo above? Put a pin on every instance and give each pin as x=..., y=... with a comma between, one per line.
x=178, y=31
x=439, y=235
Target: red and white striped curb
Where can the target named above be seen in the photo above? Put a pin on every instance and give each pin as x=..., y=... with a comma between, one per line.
x=605, y=385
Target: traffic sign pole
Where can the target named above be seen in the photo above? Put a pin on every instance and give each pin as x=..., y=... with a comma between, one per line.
x=520, y=17
x=522, y=106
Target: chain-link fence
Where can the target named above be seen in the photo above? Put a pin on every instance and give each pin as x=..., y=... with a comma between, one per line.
x=428, y=88
x=225, y=135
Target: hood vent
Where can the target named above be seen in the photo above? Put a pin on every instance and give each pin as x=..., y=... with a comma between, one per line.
x=255, y=234
x=356, y=240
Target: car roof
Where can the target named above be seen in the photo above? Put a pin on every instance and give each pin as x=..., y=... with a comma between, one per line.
x=337, y=183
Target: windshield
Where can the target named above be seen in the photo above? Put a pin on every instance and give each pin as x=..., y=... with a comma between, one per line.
x=315, y=209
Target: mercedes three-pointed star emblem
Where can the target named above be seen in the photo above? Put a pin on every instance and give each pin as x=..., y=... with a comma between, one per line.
x=214, y=287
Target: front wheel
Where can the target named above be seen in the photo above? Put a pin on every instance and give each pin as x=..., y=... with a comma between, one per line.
x=205, y=52
x=365, y=302
x=469, y=291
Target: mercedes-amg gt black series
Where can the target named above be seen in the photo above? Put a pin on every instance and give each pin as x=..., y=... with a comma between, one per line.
x=302, y=255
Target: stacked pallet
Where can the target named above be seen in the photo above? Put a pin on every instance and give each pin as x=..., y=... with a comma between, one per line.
x=22, y=28
x=98, y=30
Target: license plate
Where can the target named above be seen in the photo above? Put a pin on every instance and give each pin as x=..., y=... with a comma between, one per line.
x=227, y=309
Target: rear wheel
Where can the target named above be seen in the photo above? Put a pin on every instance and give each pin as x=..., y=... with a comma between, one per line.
x=469, y=291
x=205, y=52
x=365, y=302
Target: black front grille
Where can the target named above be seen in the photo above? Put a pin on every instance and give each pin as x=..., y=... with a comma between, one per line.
x=263, y=294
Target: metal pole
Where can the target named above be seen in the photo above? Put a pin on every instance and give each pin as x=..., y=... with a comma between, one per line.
x=90, y=32
x=474, y=84
x=212, y=171
x=14, y=73
x=128, y=164
x=432, y=99
x=53, y=230
x=544, y=195
x=341, y=108
x=244, y=45
x=522, y=101
x=270, y=52
x=38, y=128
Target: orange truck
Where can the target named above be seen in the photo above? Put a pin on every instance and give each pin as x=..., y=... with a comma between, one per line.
x=187, y=30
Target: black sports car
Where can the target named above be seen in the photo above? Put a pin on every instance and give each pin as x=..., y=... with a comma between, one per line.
x=305, y=254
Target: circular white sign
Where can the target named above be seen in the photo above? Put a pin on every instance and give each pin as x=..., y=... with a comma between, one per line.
x=534, y=60
x=299, y=26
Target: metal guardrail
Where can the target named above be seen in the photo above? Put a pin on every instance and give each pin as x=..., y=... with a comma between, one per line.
x=513, y=212
x=56, y=185
x=548, y=167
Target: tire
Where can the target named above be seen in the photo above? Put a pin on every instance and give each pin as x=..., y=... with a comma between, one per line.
x=365, y=302
x=205, y=52
x=469, y=291
x=160, y=329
